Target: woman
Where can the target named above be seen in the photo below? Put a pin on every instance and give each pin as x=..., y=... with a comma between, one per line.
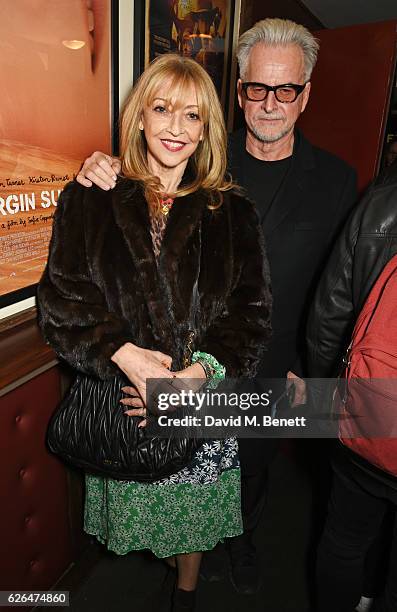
x=165, y=272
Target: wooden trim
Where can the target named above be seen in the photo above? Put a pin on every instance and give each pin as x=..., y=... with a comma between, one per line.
x=17, y=319
x=27, y=377
x=23, y=350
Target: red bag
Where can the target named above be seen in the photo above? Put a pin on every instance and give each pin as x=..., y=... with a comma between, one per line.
x=368, y=423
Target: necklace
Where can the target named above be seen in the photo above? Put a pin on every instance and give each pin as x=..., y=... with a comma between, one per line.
x=165, y=205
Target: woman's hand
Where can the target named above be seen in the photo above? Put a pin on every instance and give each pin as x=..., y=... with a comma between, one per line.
x=195, y=373
x=134, y=400
x=138, y=364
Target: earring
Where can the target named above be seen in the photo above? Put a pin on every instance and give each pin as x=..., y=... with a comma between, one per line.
x=140, y=125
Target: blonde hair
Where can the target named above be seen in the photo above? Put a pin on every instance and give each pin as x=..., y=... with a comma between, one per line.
x=278, y=32
x=209, y=160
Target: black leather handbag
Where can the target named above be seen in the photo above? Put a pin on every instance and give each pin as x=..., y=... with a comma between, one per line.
x=90, y=430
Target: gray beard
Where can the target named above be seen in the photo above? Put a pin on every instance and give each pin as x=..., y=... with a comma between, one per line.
x=269, y=139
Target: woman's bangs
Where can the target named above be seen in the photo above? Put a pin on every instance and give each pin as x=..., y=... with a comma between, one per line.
x=178, y=92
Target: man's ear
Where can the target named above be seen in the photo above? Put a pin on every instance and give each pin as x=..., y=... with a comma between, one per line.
x=240, y=93
x=305, y=95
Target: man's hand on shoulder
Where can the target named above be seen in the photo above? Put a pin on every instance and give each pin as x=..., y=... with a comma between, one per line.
x=99, y=169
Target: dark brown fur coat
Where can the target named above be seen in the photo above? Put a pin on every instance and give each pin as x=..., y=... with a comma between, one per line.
x=102, y=287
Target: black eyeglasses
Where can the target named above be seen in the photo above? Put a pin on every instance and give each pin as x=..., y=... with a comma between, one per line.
x=257, y=92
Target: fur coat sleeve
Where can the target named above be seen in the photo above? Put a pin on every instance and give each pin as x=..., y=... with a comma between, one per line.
x=103, y=287
x=73, y=314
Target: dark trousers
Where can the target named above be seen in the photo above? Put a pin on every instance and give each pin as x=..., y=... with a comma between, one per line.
x=255, y=457
x=377, y=561
x=356, y=511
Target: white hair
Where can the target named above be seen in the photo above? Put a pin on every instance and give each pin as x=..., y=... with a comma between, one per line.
x=278, y=32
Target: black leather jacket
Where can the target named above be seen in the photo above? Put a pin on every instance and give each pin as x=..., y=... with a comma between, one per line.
x=367, y=242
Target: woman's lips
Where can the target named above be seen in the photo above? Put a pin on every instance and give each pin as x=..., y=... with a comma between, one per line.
x=173, y=145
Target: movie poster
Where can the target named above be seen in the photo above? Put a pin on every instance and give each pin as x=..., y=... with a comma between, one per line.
x=55, y=110
x=194, y=28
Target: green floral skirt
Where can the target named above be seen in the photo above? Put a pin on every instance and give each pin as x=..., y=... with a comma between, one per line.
x=189, y=511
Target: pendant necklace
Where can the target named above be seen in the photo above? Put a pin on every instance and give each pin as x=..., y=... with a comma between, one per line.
x=165, y=205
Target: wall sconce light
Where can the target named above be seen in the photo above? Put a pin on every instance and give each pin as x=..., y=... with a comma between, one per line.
x=73, y=44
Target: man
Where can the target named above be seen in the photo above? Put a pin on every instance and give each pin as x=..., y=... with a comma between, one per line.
x=303, y=195
x=362, y=493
